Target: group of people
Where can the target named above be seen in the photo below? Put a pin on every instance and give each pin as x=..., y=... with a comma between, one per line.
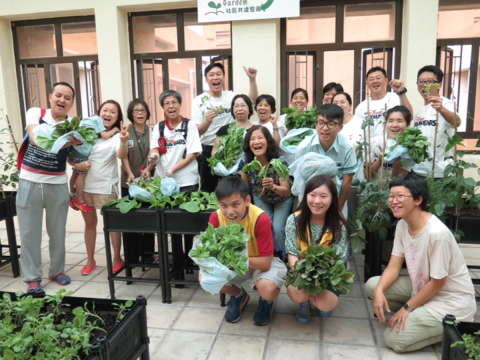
x=179, y=148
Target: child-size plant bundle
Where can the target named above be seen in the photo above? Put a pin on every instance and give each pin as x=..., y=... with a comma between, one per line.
x=53, y=137
x=411, y=144
x=221, y=254
x=297, y=119
x=297, y=139
x=317, y=268
x=226, y=159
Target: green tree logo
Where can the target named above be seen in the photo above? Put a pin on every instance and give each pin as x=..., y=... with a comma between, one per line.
x=216, y=7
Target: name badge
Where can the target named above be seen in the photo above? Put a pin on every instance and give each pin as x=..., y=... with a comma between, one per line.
x=130, y=143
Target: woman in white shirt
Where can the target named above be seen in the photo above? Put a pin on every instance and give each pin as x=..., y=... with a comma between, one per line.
x=101, y=183
x=265, y=106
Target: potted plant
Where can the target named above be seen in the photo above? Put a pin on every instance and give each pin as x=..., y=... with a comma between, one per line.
x=461, y=340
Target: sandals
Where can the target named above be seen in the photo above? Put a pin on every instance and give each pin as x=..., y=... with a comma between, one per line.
x=34, y=288
x=61, y=279
x=82, y=206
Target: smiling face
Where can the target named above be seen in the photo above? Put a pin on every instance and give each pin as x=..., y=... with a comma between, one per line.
x=215, y=80
x=325, y=134
x=429, y=77
x=341, y=100
x=318, y=201
x=299, y=101
x=171, y=106
x=240, y=110
x=396, y=124
x=234, y=207
x=109, y=114
x=258, y=143
x=377, y=84
x=264, y=111
x=139, y=114
x=401, y=201
x=61, y=101
x=327, y=98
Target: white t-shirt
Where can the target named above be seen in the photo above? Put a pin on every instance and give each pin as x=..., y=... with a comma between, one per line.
x=103, y=173
x=175, y=145
x=281, y=127
x=354, y=133
x=377, y=110
x=377, y=143
x=425, y=120
x=203, y=103
x=32, y=118
x=434, y=253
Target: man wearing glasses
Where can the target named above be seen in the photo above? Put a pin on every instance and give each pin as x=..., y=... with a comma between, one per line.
x=333, y=145
x=426, y=117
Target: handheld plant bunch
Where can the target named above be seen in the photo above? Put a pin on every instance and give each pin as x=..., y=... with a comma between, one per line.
x=229, y=149
x=66, y=127
x=317, y=268
x=416, y=143
x=39, y=328
x=225, y=244
x=275, y=164
x=216, y=109
x=295, y=119
x=297, y=139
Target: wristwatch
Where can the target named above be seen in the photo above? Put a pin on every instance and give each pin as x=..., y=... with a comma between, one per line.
x=402, y=92
x=407, y=307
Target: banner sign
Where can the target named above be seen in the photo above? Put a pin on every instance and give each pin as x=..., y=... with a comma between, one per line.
x=232, y=10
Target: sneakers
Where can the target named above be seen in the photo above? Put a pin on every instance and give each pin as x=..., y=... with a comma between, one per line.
x=303, y=313
x=82, y=206
x=34, y=288
x=325, y=314
x=262, y=315
x=235, y=307
x=61, y=279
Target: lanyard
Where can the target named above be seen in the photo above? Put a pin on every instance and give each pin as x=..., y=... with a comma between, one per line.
x=142, y=152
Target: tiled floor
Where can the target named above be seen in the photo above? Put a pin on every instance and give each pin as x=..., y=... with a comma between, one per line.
x=192, y=327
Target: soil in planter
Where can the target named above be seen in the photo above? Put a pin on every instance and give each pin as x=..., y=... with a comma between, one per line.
x=467, y=210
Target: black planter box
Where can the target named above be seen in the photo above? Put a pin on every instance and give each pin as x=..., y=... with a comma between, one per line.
x=8, y=210
x=128, y=340
x=452, y=334
x=182, y=222
x=137, y=220
x=7, y=206
x=467, y=224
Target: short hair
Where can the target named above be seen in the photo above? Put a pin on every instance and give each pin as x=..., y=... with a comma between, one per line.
x=247, y=100
x=377, y=68
x=119, y=109
x=231, y=185
x=401, y=109
x=168, y=93
x=347, y=96
x=331, y=112
x=269, y=99
x=273, y=151
x=132, y=105
x=434, y=69
x=332, y=85
x=63, y=83
x=416, y=185
x=212, y=65
x=296, y=91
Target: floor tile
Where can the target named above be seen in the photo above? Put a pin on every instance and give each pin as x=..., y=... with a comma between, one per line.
x=388, y=354
x=284, y=305
x=94, y=289
x=245, y=327
x=287, y=350
x=182, y=345
x=75, y=258
x=200, y=319
x=355, y=291
x=162, y=316
x=205, y=299
x=347, y=331
x=237, y=348
x=130, y=292
x=286, y=327
x=180, y=297
x=351, y=308
x=340, y=352
x=156, y=336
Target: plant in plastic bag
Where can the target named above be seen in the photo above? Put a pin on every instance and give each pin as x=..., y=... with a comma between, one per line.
x=230, y=148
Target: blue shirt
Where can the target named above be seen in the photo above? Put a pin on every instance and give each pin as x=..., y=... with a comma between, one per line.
x=342, y=152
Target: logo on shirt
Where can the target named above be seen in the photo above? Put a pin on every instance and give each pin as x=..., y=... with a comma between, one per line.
x=421, y=121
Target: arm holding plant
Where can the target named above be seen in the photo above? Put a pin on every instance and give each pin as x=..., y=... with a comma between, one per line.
x=283, y=189
x=449, y=116
x=153, y=160
x=205, y=124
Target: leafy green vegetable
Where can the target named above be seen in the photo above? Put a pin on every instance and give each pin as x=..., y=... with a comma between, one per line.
x=280, y=169
x=276, y=164
x=151, y=185
x=317, y=268
x=226, y=244
x=253, y=166
x=295, y=140
x=471, y=343
x=295, y=119
x=416, y=143
x=428, y=88
x=229, y=149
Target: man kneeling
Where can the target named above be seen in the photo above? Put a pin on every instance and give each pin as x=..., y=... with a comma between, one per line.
x=438, y=283
x=267, y=273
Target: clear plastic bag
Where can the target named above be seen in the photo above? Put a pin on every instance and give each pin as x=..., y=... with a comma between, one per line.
x=290, y=149
x=139, y=193
x=169, y=186
x=221, y=170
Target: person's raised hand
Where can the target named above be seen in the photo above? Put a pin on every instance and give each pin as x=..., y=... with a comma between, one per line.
x=209, y=116
x=124, y=135
x=251, y=72
x=397, y=85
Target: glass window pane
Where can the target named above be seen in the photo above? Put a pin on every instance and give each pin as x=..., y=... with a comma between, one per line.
x=338, y=66
x=89, y=87
x=367, y=22
x=155, y=33
x=316, y=25
x=458, y=21
x=35, y=89
x=36, y=41
x=301, y=74
x=79, y=38
x=64, y=72
x=207, y=60
x=152, y=76
x=209, y=36
x=182, y=78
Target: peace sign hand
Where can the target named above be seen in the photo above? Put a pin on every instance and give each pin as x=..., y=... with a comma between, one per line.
x=124, y=135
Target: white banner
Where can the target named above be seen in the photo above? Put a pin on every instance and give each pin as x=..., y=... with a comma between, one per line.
x=232, y=10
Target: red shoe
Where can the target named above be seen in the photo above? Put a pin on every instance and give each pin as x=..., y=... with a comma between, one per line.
x=116, y=267
x=73, y=204
x=82, y=206
x=87, y=269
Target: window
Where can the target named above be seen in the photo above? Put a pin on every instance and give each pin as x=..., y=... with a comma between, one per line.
x=170, y=51
x=362, y=22
x=52, y=50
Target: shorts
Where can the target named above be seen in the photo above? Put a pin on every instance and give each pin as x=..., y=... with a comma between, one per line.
x=276, y=274
x=98, y=200
x=333, y=290
x=77, y=158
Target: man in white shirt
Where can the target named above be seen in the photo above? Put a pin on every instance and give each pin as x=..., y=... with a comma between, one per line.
x=426, y=118
x=210, y=111
x=381, y=100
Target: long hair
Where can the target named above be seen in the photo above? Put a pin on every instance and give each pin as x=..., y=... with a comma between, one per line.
x=334, y=219
x=119, y=109
x=273, y=151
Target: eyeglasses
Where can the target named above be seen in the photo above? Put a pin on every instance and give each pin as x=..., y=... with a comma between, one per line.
x=378, y=78
x=237, y=106
x=330, y=124
x=399, y=198
x=139, y=111
x=427, y=82
x=173, y=103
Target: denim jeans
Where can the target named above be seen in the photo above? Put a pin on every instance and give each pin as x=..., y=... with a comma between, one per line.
x=278, y=214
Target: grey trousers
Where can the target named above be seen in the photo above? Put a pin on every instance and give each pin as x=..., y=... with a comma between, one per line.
x=32, y=198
